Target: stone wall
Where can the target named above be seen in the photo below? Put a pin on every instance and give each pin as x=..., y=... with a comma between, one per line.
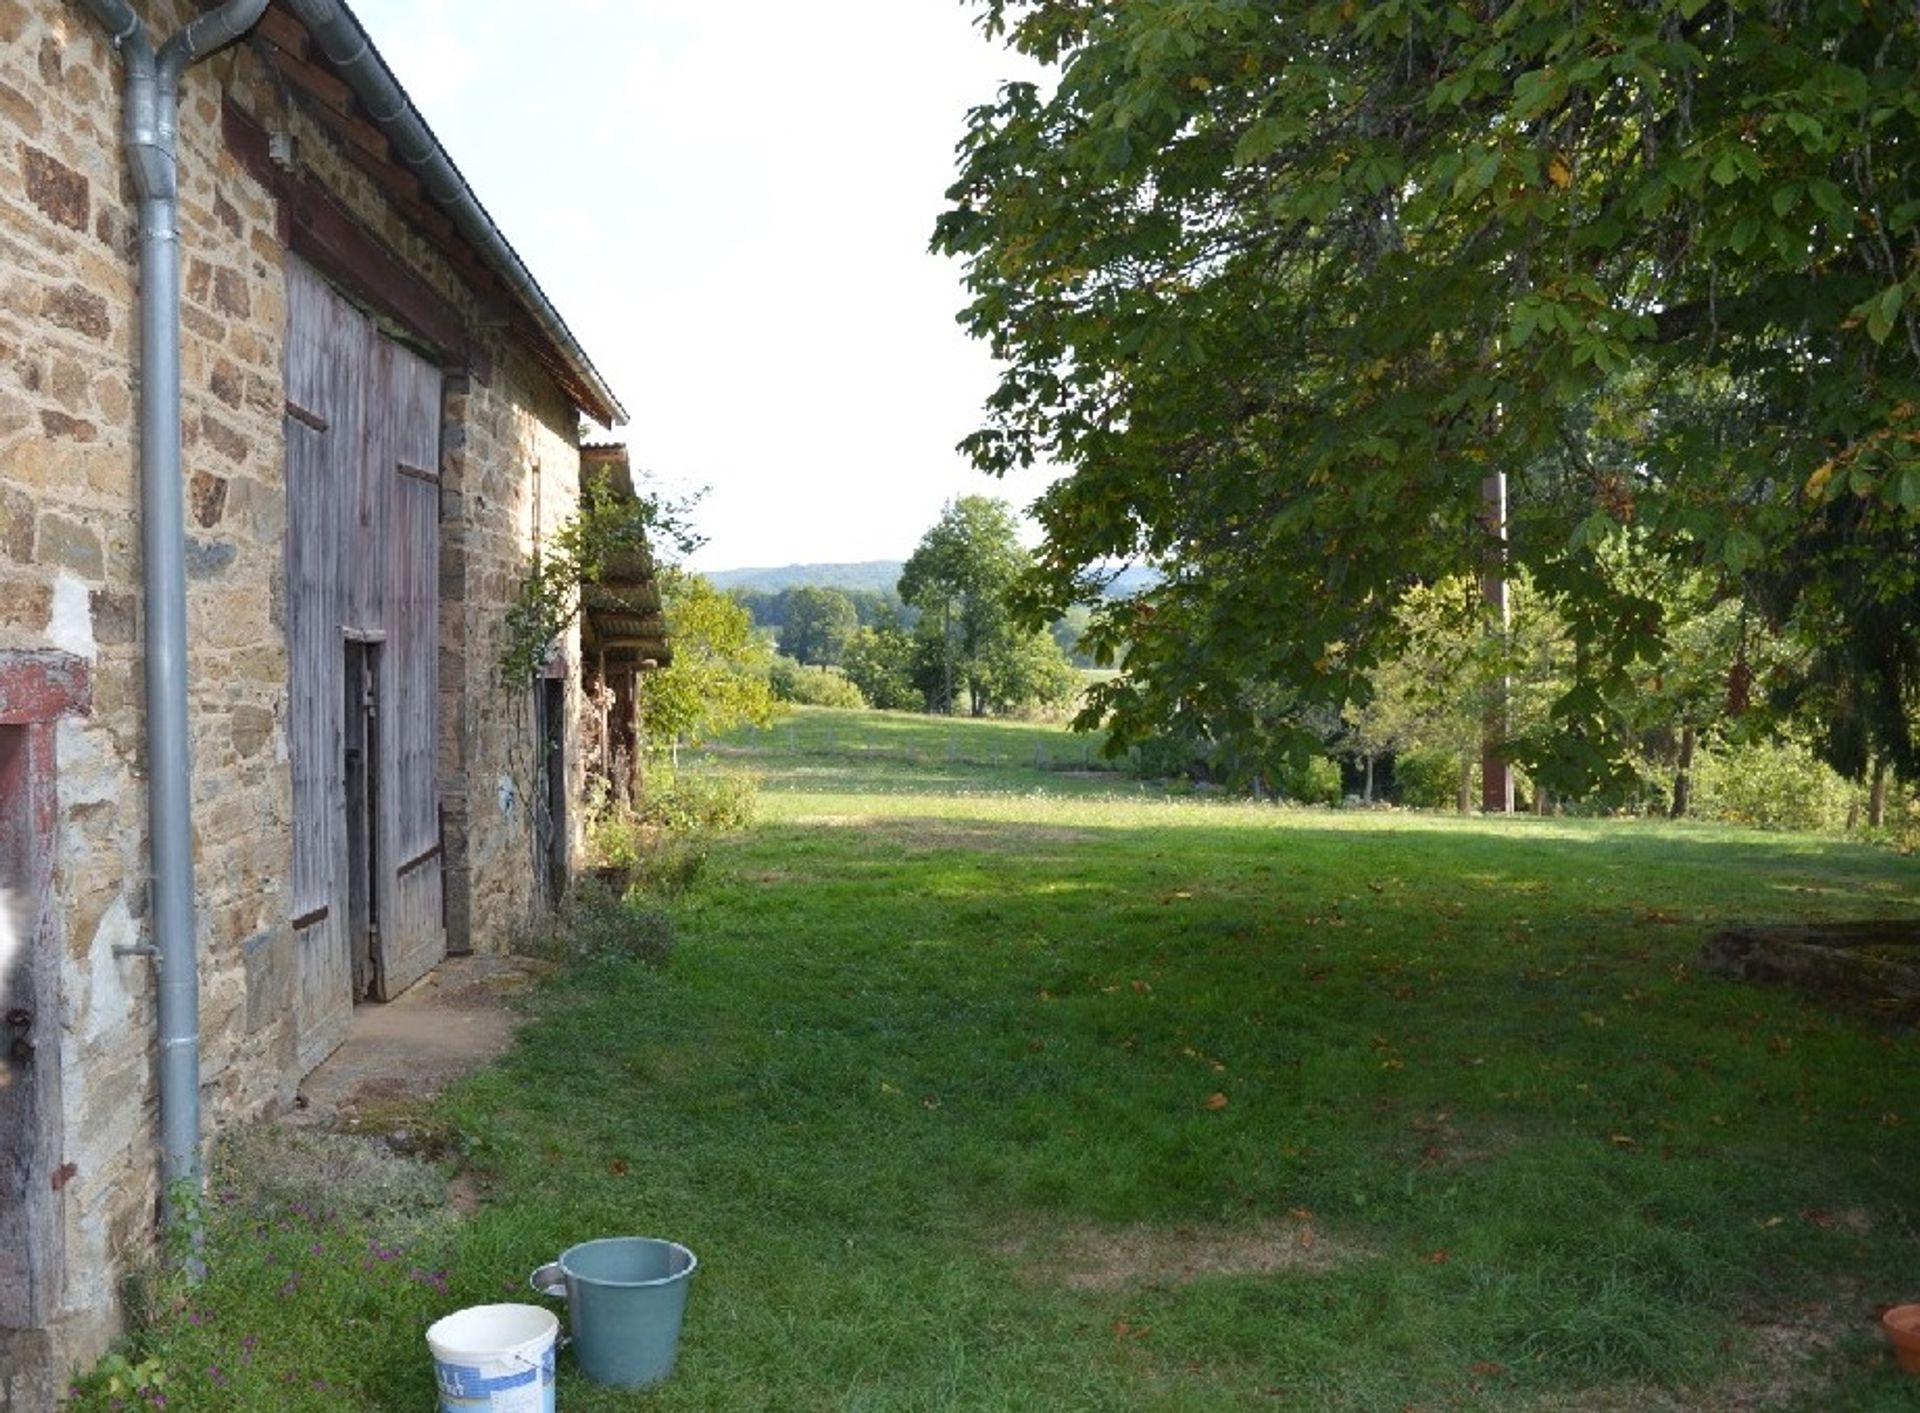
x=70, y=580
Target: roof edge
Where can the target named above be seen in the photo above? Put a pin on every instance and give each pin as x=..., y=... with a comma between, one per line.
x=345, y=42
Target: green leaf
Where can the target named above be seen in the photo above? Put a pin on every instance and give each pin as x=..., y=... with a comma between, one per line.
x=1740, y=550
x=1881, y=311
x=1258, y=142
x=1904, y=489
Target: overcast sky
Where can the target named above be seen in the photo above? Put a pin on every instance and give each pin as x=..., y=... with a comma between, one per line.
x=730, y=206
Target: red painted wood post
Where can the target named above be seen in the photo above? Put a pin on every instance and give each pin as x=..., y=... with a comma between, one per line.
x=36, y=690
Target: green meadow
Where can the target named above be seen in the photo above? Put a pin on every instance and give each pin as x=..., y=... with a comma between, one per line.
x=980, y=1078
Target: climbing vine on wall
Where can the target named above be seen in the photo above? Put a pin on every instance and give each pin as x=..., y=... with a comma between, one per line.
x=608, y=525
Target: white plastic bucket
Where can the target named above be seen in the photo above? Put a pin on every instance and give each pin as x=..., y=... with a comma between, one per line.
x=495, y=1359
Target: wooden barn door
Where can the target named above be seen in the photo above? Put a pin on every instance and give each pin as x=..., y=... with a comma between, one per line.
x=325, y=395
x=411, y=939
x=363, y=534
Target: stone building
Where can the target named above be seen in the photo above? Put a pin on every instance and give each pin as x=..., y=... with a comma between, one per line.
x=380, y=419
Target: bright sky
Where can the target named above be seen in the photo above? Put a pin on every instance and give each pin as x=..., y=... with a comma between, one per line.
x=730, y=206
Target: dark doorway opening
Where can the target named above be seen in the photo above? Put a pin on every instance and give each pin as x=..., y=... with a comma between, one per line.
x=550, y=721
x=361, y=763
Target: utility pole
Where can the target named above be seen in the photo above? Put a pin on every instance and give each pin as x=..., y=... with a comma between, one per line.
x=1496, y=774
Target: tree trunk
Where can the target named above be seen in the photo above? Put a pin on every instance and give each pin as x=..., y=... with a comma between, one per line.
x=1496, y=772
x=946, y=645
x=1683, y=775
x=1368, y=795
x=1465, y=800
x=1877, y=796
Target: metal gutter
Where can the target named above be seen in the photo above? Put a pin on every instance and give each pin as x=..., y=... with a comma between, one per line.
x=347, y=47
x=149, y=131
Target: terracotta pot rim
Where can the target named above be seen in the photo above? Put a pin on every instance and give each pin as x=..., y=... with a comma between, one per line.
x=1902, y=1324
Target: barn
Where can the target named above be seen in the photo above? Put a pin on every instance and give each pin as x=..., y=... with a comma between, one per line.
x=283, y=418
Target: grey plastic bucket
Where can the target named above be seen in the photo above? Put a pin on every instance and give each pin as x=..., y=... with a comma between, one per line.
x=625, y=1298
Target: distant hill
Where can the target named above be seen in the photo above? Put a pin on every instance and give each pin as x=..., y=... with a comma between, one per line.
x=1132, y=580
x=879, y=575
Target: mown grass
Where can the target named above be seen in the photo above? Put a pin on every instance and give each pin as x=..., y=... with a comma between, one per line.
x=1001, y=1087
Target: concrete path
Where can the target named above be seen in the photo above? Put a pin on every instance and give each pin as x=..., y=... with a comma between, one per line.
x=452, y=1022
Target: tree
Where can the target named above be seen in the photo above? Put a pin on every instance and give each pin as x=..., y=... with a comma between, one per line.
x=879, y=661
x=959, y=578
x=1066, y=632
x=819, y=623
x=1281, y=284
x=718, y=677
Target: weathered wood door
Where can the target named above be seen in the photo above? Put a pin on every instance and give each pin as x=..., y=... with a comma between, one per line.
x=363, y=542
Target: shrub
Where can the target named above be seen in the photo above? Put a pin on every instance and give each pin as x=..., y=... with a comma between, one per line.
x=1427, y=779
x=600, y=922
x=879, y=662
x=1169, y=757
x=812, y=686
x=672, y=866
x=680, y=801
x=1769, y=785
x=602, y=919
x=1313, y=781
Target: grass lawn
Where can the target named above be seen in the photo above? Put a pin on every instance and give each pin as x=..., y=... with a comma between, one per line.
x=998, y=1087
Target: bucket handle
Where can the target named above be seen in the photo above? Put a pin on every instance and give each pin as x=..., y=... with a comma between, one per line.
x=549, y=1280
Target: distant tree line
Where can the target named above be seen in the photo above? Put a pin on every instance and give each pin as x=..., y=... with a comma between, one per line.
x=944, y=640
x=771, y=608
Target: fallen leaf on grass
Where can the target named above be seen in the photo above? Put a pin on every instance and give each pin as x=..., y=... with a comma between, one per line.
x=1620, y=1140
x=1142, y=987
x=1439, y=1258
x=1300, y=1214
x=1123, y=1330
x=1487, y=1369
x=1216, y=1100
x=618, y=1167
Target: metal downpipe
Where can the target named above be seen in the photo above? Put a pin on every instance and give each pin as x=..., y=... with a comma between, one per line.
x=152, y=89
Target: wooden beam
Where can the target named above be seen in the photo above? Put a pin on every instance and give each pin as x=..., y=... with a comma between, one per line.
x=43, y=686
x=324, y=233
x=311, y=78
x=361, y=137
x=283, y=31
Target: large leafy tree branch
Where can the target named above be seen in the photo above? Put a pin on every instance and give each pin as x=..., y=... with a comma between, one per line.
x=1282, y=283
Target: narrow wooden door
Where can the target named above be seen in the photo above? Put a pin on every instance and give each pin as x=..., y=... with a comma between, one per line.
x=363, y=539
x=413, y=937
x=325, y=397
